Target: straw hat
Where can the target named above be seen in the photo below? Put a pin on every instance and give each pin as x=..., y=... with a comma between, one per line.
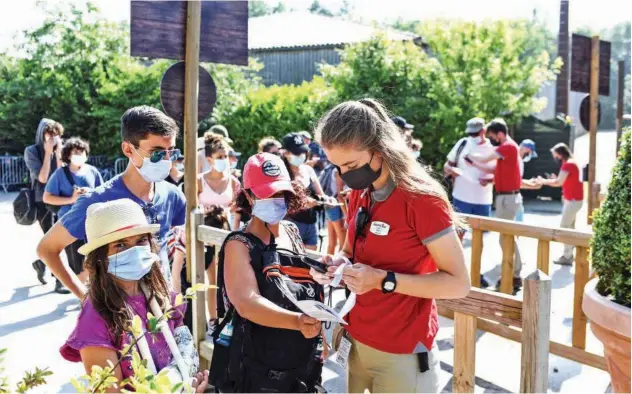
x=113, y=220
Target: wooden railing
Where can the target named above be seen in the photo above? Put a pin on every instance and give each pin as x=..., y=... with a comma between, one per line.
x=526, y=321
x=545, y=235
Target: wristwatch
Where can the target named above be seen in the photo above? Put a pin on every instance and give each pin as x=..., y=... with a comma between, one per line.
x=389, y=283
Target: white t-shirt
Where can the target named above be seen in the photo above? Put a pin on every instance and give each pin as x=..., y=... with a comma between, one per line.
x=466, y=186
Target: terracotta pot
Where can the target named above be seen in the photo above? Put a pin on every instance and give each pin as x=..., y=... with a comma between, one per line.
x=610, y=322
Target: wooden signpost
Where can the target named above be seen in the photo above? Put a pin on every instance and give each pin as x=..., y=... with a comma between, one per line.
x=210, y=31
x=590, y=73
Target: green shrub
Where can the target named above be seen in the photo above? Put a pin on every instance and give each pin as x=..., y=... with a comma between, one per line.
x=611, y=242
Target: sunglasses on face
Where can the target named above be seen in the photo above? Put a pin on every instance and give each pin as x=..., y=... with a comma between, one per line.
x=156, y=156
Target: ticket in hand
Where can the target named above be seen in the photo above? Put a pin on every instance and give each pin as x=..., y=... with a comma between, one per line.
x=319, y=311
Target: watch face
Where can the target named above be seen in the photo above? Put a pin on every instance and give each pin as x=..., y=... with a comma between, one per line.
x=389, y=286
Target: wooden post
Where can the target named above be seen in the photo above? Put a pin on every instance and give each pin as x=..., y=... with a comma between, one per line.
x=477, y=252
x=581, y=278
x=192, y=61
x=543, y=256
x=594, y=102
x=507, y=267
x=620, y=87
x=197, y=267
x=464, y=353
x=536, y=325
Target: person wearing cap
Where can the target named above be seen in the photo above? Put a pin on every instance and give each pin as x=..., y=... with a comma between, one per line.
x=176, y=175
x=221, y=131
x=294, y=156
x=507, y=180
x=316, y=156
x=469, y=196
x=233, y=159
x=572, y=193
x=405, y=128
x=527, y=153
x=125, y=277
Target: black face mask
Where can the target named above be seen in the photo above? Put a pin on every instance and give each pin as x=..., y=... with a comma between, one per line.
x=360, y=178
x=494, y=142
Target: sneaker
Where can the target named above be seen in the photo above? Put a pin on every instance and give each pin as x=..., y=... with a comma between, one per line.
x=517, y=285
x=563, y=261
x=40, y=268
x=484, y=282
x=60, y=288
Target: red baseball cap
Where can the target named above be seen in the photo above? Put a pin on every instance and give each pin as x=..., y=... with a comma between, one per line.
x=265, y=174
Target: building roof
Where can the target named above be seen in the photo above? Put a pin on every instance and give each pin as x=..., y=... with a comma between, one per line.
x=300, y=29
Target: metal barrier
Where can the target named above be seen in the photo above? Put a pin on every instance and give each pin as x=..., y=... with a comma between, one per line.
x=13, y=172
x=119, y=165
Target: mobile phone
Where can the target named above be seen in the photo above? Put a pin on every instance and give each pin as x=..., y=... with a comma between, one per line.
x=547, y=175
x=315, y=264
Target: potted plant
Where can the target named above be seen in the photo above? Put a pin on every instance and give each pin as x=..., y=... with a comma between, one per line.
x=607, y=298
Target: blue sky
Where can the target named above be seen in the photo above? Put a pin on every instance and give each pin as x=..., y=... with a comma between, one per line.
x=25, y=14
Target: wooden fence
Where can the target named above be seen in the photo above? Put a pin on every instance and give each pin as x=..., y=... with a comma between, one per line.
x=545, y=235
x=526, y=321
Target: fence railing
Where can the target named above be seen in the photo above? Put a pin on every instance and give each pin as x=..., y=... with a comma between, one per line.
x=526, y=321
x=13, y=172
x=544, y=235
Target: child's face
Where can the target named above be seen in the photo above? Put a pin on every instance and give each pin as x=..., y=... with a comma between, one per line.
x=126, y=243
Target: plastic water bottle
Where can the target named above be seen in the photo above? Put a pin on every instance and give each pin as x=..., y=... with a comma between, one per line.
x=226, y=334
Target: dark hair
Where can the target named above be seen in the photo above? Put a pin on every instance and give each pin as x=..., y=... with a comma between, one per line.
x=296, y=202
x=563, y=150
x=54, y=128
x=72, y=144
x=216, y=217
x=214, y=143
x=138, y=122
x=268, y=143
x=108, y=299
x=497, y=126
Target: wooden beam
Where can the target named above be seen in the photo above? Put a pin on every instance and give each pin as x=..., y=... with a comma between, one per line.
x=515, y=334
x=197, y=264
x=510, y=227
x=488, y=304
x=464, y=353
x=507, y=267
x=536, y=326
x=477, y=254
x=192, y=62
x=543, y=256
x=620, y=93
x=582, y=269
x=594, y=103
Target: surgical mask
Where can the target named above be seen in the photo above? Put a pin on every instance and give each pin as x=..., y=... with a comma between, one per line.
x=233, y=165
x=416, y=154
x=361, y=178
x=270, y=210
x=297, y=160
x=527, y=158
x=133, y=263
x=180, y=167
x=154, y=172
x=220, y=165
x=78, y=160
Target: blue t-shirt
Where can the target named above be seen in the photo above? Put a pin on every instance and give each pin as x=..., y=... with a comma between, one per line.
x=58, y=184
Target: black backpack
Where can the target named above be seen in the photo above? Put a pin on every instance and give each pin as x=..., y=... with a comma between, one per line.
x=265, y=359
x=24, y=210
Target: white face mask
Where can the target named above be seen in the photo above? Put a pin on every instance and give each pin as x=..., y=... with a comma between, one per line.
x=297, y=160
x=180, y=167
x=78, y=160
x=153, y=172
x=220, y=165
x=416, y=154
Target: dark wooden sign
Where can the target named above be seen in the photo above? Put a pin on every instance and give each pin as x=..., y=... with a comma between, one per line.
x=158, y=30
x=584, y=112
x=580, y=65
x=172, y=92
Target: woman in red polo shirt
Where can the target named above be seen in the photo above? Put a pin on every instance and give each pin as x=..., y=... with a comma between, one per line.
x=572, y=193
x=405, y=255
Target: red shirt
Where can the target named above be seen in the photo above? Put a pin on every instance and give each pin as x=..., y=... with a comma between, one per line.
x=396, y=323
x=507, y=176
x=572, y=189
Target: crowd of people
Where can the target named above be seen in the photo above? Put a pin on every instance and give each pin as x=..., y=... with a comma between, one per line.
x=393, y=241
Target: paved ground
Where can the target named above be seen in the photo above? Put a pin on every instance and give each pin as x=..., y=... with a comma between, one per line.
x=34, y=321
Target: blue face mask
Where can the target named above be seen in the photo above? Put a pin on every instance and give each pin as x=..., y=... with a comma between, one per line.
x=271, y=210
x=297, y=160
x=153, y=172
x=220, y=165
x=133, y=263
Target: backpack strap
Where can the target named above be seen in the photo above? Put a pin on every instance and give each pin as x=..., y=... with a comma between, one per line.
x=66, y=170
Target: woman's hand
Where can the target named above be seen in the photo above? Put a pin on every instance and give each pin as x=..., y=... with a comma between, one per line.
x=332, y=262
x=200, y=381
x=308, y=326
x=361, y=278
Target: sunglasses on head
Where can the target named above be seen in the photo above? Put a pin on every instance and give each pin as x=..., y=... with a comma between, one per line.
x=158, y=155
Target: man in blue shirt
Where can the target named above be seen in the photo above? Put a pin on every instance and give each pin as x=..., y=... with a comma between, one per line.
x=149, y=138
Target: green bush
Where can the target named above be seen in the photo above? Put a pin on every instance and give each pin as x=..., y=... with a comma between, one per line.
x=276, y=111
x=611, y=241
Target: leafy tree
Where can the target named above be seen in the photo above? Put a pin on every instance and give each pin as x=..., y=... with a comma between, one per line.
x=260, y=8
x=317, y=8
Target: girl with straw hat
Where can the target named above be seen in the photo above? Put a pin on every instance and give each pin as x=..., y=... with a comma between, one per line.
x=126, y=280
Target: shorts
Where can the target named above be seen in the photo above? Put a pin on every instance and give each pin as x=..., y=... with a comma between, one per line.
x=472, y=209
x=308, y=232
x=333, y=214
x=209, y=255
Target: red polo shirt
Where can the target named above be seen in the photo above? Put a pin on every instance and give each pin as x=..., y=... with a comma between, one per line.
x=572, y=188
x=507, y=176
x=396, y=323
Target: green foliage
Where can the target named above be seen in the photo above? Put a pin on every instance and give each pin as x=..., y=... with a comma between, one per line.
x=28, y=382
x=276, y=111
x=611, y=241
x=260, y=8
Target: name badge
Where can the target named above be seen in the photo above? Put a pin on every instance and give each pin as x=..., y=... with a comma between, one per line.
x=380, y=228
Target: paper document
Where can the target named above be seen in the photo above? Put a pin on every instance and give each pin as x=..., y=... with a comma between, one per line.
x=319, y=311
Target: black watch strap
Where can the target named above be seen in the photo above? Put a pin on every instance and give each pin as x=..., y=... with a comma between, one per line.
x=389, y=283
